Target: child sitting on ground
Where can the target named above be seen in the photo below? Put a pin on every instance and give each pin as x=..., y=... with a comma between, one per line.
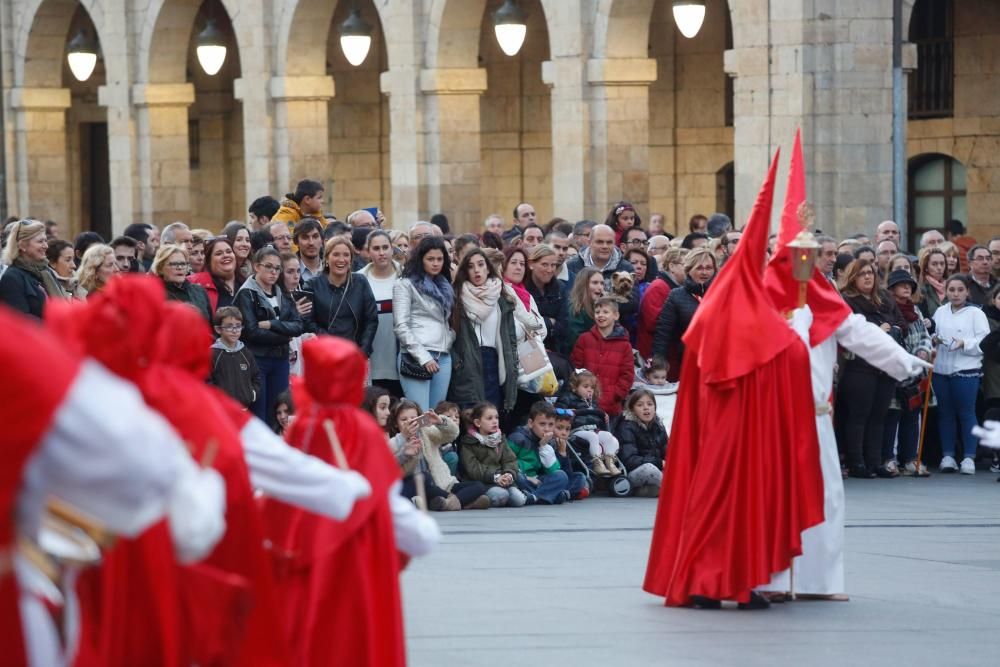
x=607, y=352
x=644, y=443
x=563, y=424
x=486, y=457
x=449, y=450
x=590, y=423
x=540, y=474
x=234, y=369
x=377, y=403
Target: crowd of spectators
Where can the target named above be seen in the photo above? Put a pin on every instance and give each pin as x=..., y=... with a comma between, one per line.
x=519, y=364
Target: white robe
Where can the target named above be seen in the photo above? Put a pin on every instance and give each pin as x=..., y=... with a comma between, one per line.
x=820, y=569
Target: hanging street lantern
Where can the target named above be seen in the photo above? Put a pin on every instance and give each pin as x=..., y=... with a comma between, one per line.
x=355, y=38
x=211, y=48
x=689, y=15
x=509, y=27
x=81, y=53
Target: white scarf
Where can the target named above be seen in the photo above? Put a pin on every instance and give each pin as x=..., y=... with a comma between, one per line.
x=480, y=302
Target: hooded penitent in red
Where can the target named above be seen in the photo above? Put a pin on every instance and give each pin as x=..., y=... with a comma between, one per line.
x=37, y=374
x=339, y=580
x=742, y=476
x=828, y=308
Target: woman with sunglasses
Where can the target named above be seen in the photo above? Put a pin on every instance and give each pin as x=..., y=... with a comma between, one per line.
x=270, y=322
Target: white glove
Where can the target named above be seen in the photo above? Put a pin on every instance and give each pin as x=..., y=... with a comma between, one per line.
x=918, y=366
x=988, y=434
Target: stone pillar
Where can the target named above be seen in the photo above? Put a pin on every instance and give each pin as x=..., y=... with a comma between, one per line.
x=121, y=162
x=41, y=168
x=163, y=156
x=619, y=131
x=570, y=134
x=828, y=70
x=301, y=137
x=452, y=141
x=212, y=184
x=406, y=146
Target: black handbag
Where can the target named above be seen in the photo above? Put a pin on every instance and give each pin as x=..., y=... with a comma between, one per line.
x=411, y=368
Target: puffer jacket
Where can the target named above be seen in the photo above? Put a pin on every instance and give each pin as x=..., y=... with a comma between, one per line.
x=467, y=362
x=586, y=416
x=290, y=213
x=191, y=294
x=286, y=323
x=553, y=304
x=650, y=305
x=347, y=312
x=481, y=463
x=641, y=443
x=611, y=360
x=420, y=323
x=676, y=316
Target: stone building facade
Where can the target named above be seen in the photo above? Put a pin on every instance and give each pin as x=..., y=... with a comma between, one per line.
x=605, y=101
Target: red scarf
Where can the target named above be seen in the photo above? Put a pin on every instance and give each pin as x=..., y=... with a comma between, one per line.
x=522, y=293
x=909, y=311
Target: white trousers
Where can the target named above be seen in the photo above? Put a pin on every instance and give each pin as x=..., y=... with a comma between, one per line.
x=599, y=442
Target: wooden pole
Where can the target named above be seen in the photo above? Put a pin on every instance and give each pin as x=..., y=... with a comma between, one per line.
x=923, y=416
x=338, y=451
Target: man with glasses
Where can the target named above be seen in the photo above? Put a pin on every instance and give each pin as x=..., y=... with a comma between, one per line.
x=981, y=280
x=727, y=245
x=281, y=237
x=633, y=237
x=418, y=232
x=581, y=233
x=125, y=249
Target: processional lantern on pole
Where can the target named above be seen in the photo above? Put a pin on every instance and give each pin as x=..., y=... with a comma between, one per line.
x=805, y=250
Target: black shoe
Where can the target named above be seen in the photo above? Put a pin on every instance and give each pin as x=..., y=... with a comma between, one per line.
x=563, y=497
x=702, y=602
x=861, y=472
x=757, y=601
x=884, y=473
x=530, y=499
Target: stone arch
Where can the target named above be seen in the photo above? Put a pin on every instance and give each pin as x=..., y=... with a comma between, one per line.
x=40, y=44
x=453, y=30
x=618, y=26
x=165, y=37
x=303, y=30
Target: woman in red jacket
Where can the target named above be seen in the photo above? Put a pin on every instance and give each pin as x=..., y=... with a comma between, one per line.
x=606, y=352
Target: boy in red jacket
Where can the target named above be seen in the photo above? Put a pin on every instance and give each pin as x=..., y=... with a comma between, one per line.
x=606, y=352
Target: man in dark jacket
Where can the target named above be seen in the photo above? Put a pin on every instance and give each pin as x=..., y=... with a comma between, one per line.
x=601, y=254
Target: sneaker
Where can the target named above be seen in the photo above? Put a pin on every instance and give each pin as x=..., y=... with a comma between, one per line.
x=968, y=466
x=419, y=502
x=480, y=503
x=452, y=503
x=437, y=504
x=583, y=493
x=910, y=470
x=562, y=497
x=885, y=473
x=892, y=467
x=995, y=465
x=597, y=465
x=609, y=461
x=948, y=464
x=530, y=499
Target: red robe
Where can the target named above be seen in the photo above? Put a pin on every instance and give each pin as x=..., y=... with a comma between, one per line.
x=339, y=579
x=742, y=478
x=37, y=374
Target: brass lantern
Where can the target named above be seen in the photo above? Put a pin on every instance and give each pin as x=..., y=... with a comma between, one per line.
x=804, y=250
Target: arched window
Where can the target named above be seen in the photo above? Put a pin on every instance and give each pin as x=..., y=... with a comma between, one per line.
x=932, y=87
x=937, y=193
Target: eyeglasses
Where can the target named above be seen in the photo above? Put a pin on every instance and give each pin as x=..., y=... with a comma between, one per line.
x=270, y=267
x=232, y=328
x=636, y=242
x=178, y=265
x=283, y=237
x=866, y=274
x=981, y=258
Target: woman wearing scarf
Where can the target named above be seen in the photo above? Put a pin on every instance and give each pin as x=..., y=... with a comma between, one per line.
x=485, y=352
x=917, y=342
x=528, y=322
x=422, y=302
x=933, y=267
x=27, y=283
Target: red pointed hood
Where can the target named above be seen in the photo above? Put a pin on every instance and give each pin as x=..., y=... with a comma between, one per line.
x=736, y=329
x=334, y=370
x=183, y=340
x=827, y=306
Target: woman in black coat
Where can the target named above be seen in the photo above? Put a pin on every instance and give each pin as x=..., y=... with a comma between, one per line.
x=171, y=266
x=270, y=322
x=27, y=282
x=550, y=294
x=343, y=302
x=643, y=440
x=678, y=310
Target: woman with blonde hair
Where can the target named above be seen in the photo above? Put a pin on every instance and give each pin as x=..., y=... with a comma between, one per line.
x=342, y=302
x=953, y=257
x=588, y=287
x=700, y=267
x=97, y=267
x=172, y=267
x=27, y=283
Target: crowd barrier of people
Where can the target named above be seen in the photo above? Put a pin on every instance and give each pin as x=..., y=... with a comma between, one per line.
x=534, y=363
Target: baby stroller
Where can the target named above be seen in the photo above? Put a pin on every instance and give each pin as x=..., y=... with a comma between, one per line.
x=616, y=486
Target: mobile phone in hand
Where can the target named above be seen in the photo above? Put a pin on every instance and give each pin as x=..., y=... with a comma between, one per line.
x=299, y=294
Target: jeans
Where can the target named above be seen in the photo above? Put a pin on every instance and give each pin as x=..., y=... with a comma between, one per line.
x=908, y=422
x=273, y=380
x=505, y=497
x=956, y=397
x=552, y=484
x=428, y=393
x=867, y=396
x=492, y=391
x=466, y=492
x=577, y=483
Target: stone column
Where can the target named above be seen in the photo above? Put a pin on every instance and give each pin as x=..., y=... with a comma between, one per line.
x=406, y=147
x=163, y=157
x=452, y=142
x=570, y=118
x=619, y=131
x=301, y=137
x=121, y=162
x=827, y=70
x=40, y=169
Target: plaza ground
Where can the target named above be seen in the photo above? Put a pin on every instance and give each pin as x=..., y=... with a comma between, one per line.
x=560, y=586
